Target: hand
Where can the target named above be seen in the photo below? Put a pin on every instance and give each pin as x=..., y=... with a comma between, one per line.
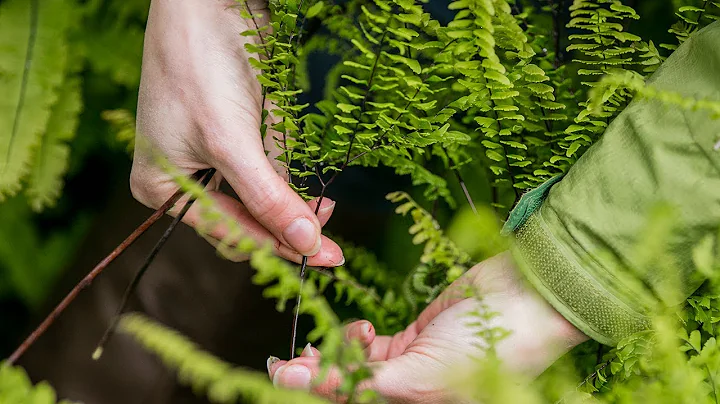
x=411, y=366
x=199, y=106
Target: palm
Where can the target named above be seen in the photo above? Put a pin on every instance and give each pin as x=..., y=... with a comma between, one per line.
x=412, y=365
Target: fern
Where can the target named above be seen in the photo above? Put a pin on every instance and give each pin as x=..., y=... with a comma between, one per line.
x=693, y=16
x=206, y=374
x=29, y=263
x=603, y=45
x=35, y=49
x=282, y=283
x=628, y=81
x=367, y=284
x=122, y=123
x=115, y=51
x=442, y=261
x=16, y=388
x=50, y=160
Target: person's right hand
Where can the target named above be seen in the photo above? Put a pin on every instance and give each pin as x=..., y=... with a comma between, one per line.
x=200, y=107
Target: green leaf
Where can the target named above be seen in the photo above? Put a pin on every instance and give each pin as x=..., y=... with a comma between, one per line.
x=315, y=9
x=33, y=65
x=347, y=108
x=493, y=155
x=51, y=159
x=413, y=64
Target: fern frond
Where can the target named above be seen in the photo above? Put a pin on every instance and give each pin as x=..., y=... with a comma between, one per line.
x=50, y=160
x=635, y=83
x=122, y=123
x=16, y=388
x=33, y=42
x=221, y=382
x=602, y=46
x=692, y=17
x=441, y=261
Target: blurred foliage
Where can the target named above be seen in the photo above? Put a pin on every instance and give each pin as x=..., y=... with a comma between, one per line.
x=16, y=388
x=62, y=63
x=72, y=81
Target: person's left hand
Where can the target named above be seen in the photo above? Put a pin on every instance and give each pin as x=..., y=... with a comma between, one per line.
x=412, y=366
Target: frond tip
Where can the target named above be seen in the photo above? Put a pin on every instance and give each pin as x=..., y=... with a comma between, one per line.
x=221, y=382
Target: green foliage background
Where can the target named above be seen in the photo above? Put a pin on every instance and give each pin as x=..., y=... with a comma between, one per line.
x=528, y=101
x=86, y=60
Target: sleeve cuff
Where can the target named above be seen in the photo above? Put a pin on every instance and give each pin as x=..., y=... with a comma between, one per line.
x=570, y=289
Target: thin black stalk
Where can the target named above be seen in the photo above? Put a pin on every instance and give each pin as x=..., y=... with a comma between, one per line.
x=303, y=268
x=557, y=26
x=110, y=331
x=96, y=271
x=456, y=171
x=599, y=354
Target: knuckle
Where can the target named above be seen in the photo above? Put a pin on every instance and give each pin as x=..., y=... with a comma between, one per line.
x=271, y=203
x=142, y=191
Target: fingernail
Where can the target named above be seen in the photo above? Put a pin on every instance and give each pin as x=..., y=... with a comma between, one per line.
x=303, y=236
x=271, y=361
x=307, y=351
x=326, y=206
x=341, y=263
x=365, y=329
x=293, y=376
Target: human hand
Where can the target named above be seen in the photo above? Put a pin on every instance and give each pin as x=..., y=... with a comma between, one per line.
x=411, y=366
x=200, y=106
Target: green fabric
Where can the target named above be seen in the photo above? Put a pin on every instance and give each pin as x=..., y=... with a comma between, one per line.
x=592, y=220
x=528, y=204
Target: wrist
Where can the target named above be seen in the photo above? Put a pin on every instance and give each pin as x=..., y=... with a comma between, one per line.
x=539, y=334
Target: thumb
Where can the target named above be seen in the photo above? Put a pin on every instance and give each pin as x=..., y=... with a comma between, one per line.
x=268, y=197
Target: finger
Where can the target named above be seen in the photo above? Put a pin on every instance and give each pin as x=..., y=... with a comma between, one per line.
x=329, y=255
x=309, y=350
x=404, y=379
x=268, y=197
x=327, y=207
x=363, y=332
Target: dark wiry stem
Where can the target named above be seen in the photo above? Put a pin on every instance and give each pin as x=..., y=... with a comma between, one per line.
x=303, y=268
x=557, y=25
x=590, y=377
x=599, y=354
x=143, y=269
x=456, y=171
x=99, y=268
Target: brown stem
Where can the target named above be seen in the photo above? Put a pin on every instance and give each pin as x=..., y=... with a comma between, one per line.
x=110, y=331
x=87, y=280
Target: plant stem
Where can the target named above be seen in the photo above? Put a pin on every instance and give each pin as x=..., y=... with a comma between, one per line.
x=303, y=268
x=110, y=331
x=99, y=268
x=456, y=171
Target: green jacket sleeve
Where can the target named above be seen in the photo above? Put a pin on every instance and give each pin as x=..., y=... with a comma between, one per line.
x=569, y=246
